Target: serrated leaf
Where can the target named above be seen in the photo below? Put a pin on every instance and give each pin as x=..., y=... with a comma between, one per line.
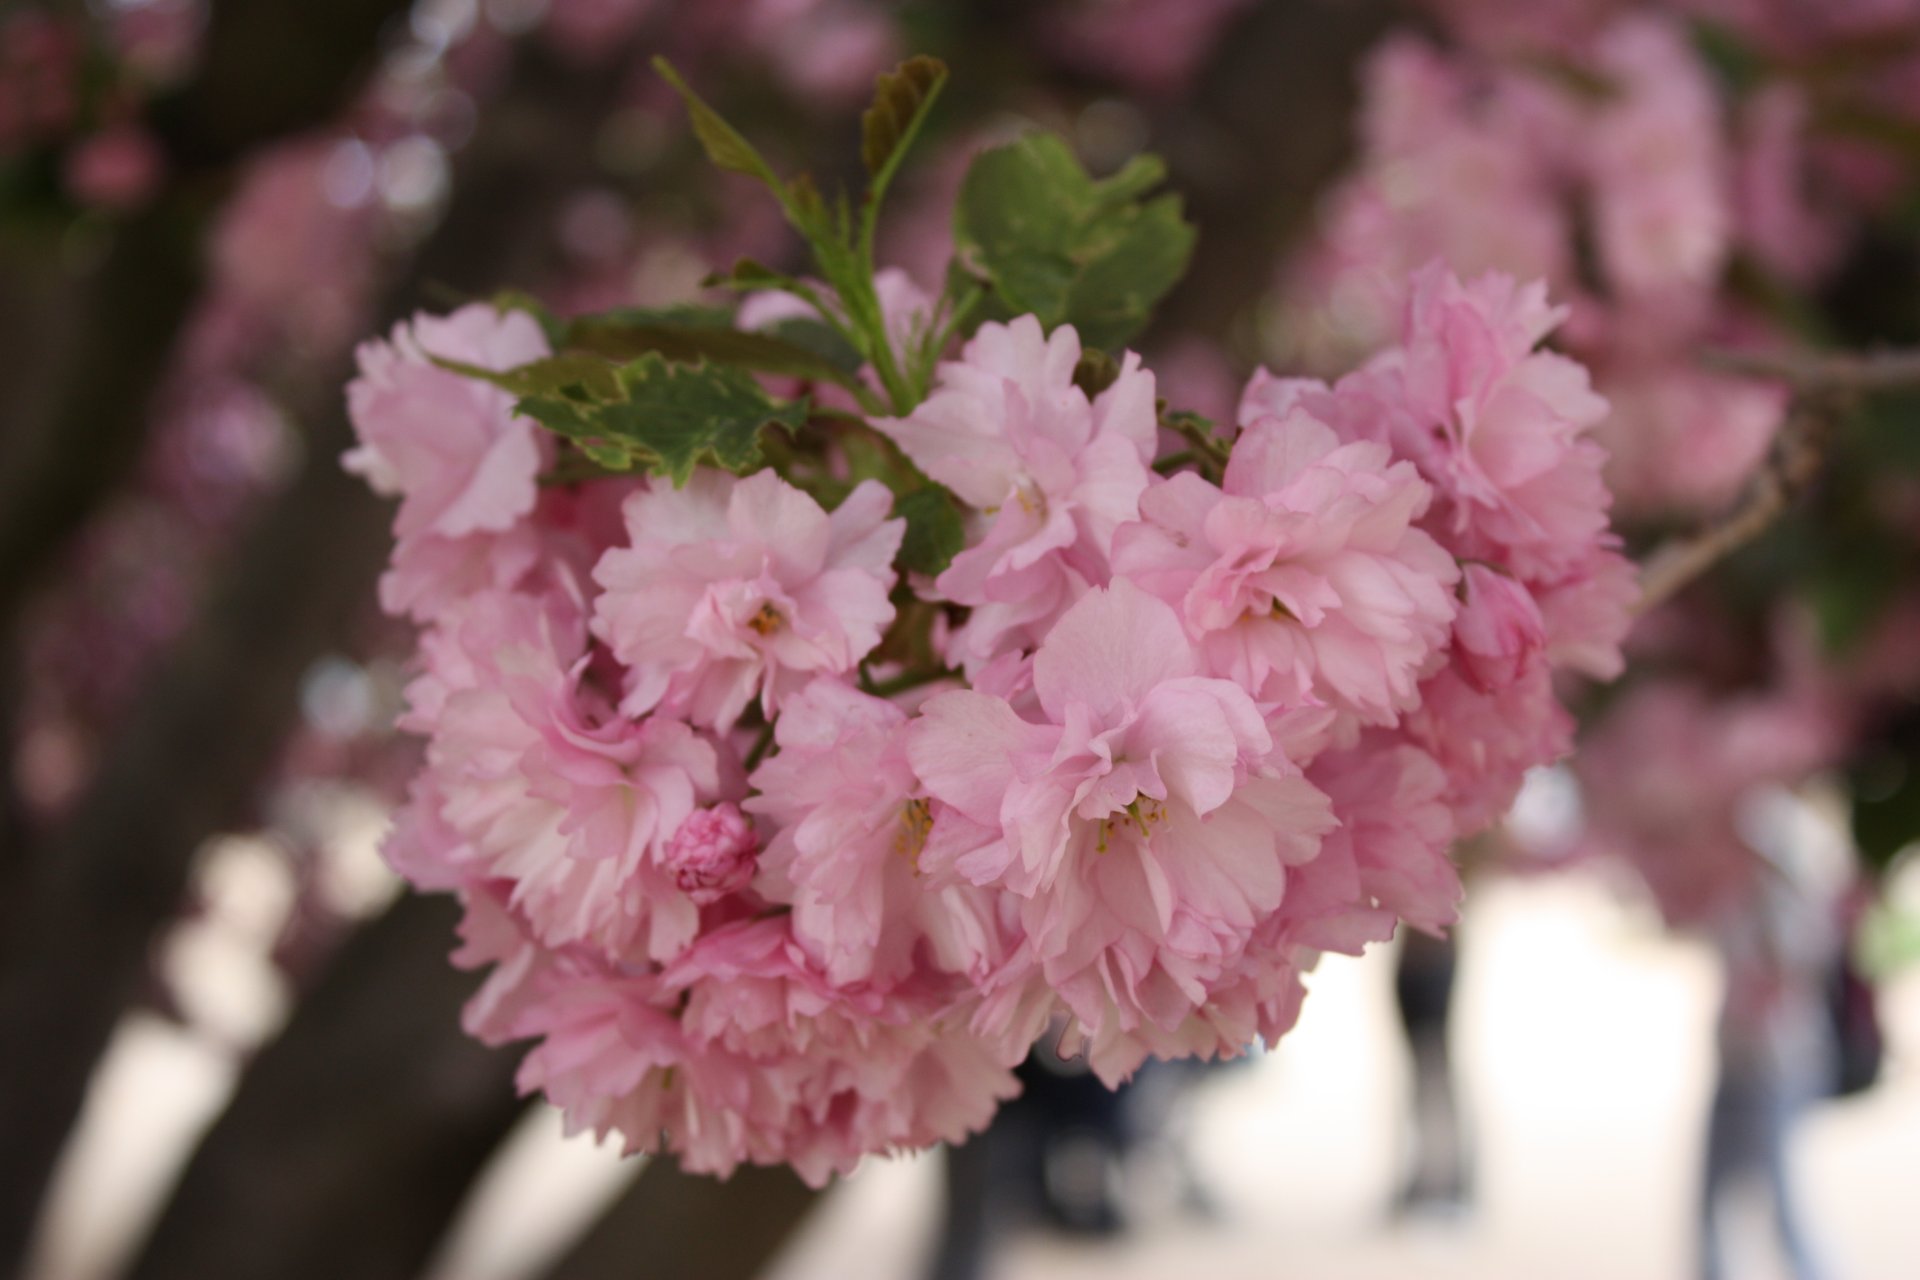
x=901, y=99
x=935, y=533
x=680, y=415
x=723, y=143
x=571, y=376
x=761, y=352
x=1052, y=241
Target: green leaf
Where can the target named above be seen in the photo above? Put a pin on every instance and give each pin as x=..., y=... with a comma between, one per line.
x=746, y=273
x=819, y=338
x=574, y=377
x=1095, y=372
x=675, y=416
x=723, y=143
x=617, y=339
x=1052, y=241
x=679, y=315
x=650, y=413
x=935, y=533
x=901, y=99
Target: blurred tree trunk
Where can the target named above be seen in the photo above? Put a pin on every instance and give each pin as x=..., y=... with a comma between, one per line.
x=1268, y=125
x=198, y=748
x=263, y=76
x=681, y=1226
x=353, y=1137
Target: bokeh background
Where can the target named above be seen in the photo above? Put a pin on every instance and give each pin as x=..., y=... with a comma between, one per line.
x=230, y=1048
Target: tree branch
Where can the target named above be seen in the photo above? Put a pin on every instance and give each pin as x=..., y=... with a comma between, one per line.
x=1790, y=468
x=1866, y=371
x=1825, y=386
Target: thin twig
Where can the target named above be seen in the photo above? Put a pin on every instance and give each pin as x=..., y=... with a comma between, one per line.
x=1825, y=371
x=1824, y=385
x=1791, y=467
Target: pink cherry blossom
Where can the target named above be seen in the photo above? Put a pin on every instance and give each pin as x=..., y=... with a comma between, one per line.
x=1498, y=428
x=551, y=792
x=1487, y=739
x=1395, y=825
x=852, y=823
x=733, y=592
x=1052, y=472
x=740, y=1051
x=449, y=446
x=1499, y=633
x=1684, y=438
x=712, y=853
x=1306, y=578
x=464, y=467
x=1662, y=222
x=1589, y=612
x=1140, y=820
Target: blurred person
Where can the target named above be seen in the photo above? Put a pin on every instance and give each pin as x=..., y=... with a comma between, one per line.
x=1072, y=1155
x=1437, y=1176
x=1777, y=1055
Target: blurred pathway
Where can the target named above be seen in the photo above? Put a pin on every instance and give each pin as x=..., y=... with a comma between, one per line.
x=1583, y=1035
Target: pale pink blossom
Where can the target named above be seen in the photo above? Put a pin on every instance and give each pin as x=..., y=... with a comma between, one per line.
x=1499, y=633
x=1589, y=613
x=712, y=853
x=1658, y=164
x=741, y=1052
x=1451, y=170
x=733, y=592
x=1681, y=438
x=1487, y=739
x=1498, y=428
x=1140, y=819
x=1052, y=472
x=448, y=446
x=853, y=821
x=1395, y=825
x=463, y=465
x=1305, y=580
x=551, y=792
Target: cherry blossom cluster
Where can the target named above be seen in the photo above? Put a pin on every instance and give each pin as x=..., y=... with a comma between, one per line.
x=781, y=853
x=1612, y=167
x=74, y=88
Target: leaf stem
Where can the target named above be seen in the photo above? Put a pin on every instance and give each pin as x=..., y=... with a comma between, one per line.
x=760, y=747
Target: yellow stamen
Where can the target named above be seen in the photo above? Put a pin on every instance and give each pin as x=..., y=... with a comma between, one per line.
x=916, y=821
x=766, y=620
